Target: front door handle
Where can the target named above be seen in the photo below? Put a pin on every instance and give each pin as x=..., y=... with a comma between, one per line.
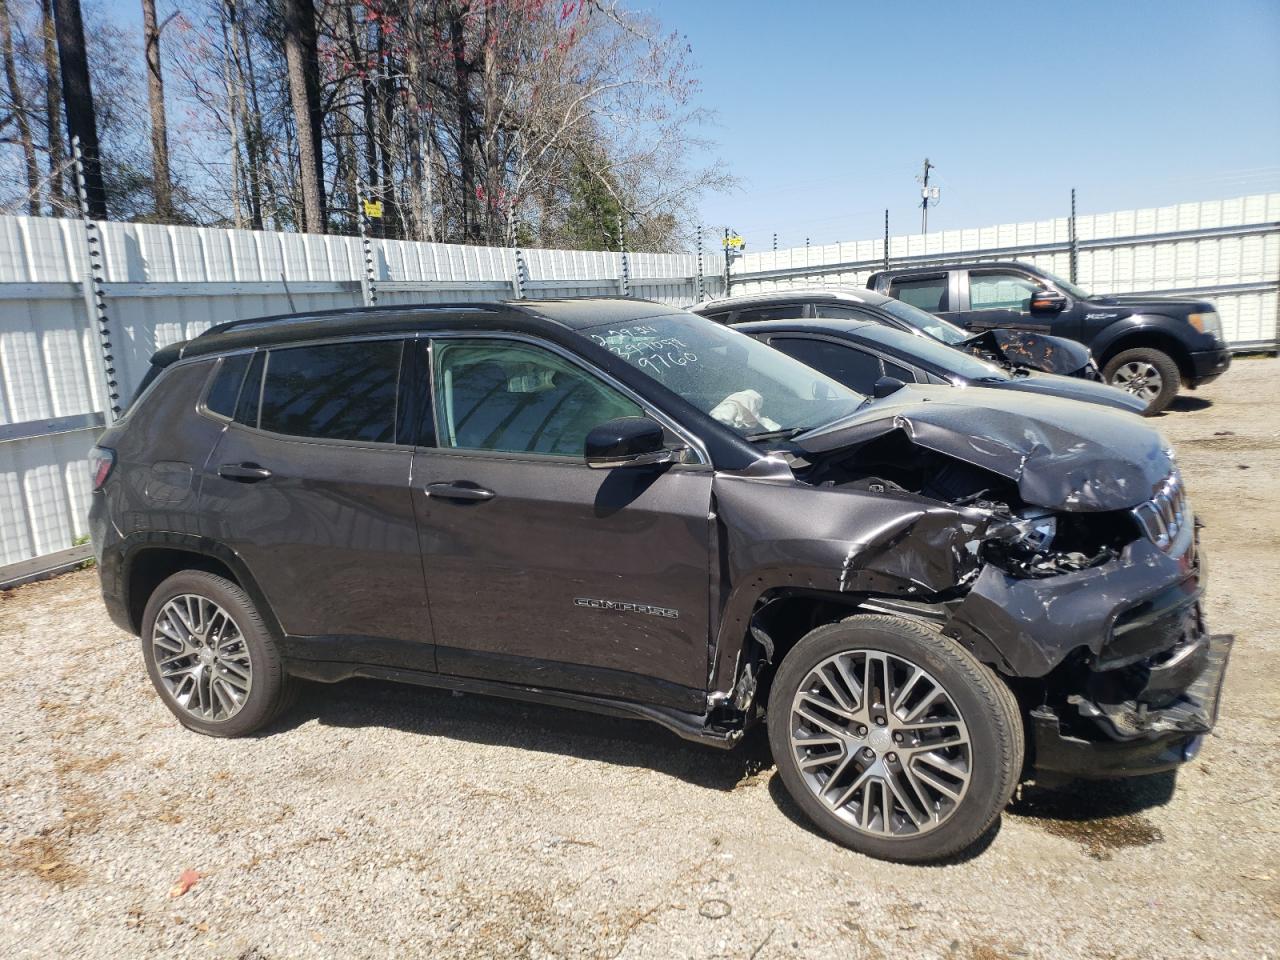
x=457, y=491
x=243, y=472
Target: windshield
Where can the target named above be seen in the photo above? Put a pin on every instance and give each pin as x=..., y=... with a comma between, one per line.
x=1069, y=288
x=744, y=384
x=926, y=323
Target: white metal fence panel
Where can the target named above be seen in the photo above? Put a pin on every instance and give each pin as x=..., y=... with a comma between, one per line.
x=1227, y=250
x=170, y=283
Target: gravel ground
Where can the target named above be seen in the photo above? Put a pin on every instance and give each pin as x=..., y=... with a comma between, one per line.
x=387, y=821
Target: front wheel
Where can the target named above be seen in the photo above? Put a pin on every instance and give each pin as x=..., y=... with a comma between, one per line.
x=893, y=739
x=1150, y=375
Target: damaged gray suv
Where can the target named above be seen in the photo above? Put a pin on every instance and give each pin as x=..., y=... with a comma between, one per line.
x=615, y=506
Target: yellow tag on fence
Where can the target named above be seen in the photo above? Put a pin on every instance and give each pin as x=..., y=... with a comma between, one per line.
x=373, y=208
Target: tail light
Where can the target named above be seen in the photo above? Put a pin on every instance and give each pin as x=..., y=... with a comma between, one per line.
x=101, y=460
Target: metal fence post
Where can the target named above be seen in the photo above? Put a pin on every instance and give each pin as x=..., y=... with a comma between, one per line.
x=368, y=282
x=95, y=296
x=1071, y=260
x=702, y=284
x=886, y=240
x=521, y=275
x=624, y=281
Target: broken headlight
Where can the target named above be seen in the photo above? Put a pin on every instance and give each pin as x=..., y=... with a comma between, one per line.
x=1037, y=529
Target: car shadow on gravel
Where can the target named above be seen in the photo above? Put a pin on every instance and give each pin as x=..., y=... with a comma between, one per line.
x=476, y=718
x=1185, y=404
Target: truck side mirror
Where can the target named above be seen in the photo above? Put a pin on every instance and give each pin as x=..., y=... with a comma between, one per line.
x=1047, y=302
x=627, y=442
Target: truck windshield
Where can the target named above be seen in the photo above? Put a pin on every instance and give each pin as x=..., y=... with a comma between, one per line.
x=1066, y=286
x=749, y=387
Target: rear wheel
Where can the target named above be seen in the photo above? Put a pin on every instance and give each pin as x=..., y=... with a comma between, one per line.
x=892, y=739
x=211, y=658
x=1150, y=375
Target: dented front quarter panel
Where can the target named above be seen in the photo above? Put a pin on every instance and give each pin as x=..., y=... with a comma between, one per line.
x=1031, y=351
x=782, y=534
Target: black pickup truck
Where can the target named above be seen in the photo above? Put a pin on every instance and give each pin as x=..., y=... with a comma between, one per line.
x=1148, y=345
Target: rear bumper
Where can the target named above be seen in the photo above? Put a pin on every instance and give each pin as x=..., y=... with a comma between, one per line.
x=1159, y=729
x=1208, y=365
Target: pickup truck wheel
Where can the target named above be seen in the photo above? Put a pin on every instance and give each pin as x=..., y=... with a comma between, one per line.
x=894, y=740
x=211, y=658
x=1150, y=375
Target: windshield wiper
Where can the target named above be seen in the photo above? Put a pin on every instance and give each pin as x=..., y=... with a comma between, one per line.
x=786, y=434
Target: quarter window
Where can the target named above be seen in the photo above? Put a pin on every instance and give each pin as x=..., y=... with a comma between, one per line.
x=516, y=398
x=221, y=398
x=998, y=290
x=926, y=293
x=334, y=391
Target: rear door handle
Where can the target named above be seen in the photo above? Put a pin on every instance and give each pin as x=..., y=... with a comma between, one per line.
x=457, y=491
x=243, y=472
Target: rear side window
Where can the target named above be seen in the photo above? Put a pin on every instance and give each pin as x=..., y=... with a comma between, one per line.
x=775, y=311
x=926, y=293
x=334, y=391
x=852, y=367
x=225, y=388
x=832, y=311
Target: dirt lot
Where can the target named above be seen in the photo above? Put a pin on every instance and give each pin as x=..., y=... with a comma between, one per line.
x=385, y=821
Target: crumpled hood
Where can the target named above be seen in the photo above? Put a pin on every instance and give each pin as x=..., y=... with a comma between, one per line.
x=1062, y=454
x=1034, y=351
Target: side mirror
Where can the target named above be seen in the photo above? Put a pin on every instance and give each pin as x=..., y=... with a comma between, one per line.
x=626, y=442
x=885, y=386
x=1048, y=301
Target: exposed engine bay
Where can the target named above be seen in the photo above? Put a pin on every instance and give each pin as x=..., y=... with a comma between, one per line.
x=1021, y=539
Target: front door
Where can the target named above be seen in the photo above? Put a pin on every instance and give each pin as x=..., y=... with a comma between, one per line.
x=1001, y=299
x=544, y=571
x=309, y=485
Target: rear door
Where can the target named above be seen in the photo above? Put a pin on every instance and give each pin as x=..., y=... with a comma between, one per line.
x=934, y=293
x=309, y=484
x=542, y=570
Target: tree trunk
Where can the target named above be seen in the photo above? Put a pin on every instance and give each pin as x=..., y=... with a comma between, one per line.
x=304, y=96
x=466, y=161
x=251, y=115
x=162, y=181
x=20, y=112
x=78, y=100
x=53, y=108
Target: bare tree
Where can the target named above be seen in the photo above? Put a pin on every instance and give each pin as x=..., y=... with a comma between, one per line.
x=18, y=111
x=52, y=107
x=77, y=91
x=301, y=56
x=159, y=122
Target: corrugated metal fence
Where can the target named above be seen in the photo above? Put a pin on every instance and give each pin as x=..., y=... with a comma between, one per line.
x=1228, y=250
x=164, y=284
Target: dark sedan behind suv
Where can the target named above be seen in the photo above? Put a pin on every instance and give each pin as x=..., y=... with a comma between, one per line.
x=621, y=507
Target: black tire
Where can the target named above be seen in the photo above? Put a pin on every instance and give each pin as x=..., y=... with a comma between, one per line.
x=272, y=690
x=1164, y=365
x=984, y=702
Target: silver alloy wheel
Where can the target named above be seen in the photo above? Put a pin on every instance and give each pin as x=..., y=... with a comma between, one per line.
x=201, y=657
x=881, y=743
x=1140, y=378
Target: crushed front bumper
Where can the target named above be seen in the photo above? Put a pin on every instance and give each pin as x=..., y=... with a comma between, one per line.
x=1161, y=727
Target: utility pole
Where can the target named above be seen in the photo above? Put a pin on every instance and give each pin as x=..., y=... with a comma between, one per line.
x=927, y=193
x=77, y=97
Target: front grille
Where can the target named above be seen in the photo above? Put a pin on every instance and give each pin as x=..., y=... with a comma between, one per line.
x=1164, y=515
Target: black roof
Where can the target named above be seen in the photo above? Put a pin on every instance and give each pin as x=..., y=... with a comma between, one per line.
x=521, y=316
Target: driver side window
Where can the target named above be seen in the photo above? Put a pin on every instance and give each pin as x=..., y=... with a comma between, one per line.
x=511, y=397
x=1000, y=290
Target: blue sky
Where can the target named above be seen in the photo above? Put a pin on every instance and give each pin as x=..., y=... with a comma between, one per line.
x=827, y=109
